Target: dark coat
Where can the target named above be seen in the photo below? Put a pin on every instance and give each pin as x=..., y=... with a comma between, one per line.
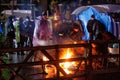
x=95, y=26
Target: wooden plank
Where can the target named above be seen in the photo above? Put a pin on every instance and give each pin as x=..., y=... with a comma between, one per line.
x=46, y=54
x=40, y=62
x=104, y=71
x=43, y=47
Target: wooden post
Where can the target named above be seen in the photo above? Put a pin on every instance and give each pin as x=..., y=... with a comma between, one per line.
x=12, y=10
x=57, y=58
x=0, y=71
x=89, y=67
x=119, y=54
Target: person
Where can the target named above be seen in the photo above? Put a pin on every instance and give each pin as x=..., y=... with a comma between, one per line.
x=101, y=47
x=9, y=25
x=42, y=34
x=77, y=32
x=17, y=32
x=42, y=31
x=10, y=32
x=53, y=6
x=27, y=25
x=10, y=37
x=23, y=37
x=30, y=31
x=94, y=27
x=18, y=24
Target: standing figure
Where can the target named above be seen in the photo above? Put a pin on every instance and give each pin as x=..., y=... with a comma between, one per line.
x=18, y=37
x=102, y=47
x=17, y=32
x=42, y=31
x=94, y=27
x=42, y=34
x=10, y=32
x=9, y=25
x=30, y=31
x=53, y=6
x=27, y=25
x=23, y=37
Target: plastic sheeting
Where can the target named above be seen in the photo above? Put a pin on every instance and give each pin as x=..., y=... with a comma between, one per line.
x=85, y=15
x=100, y=8
x=1, y=31
x=17, y=13
x=115, y=29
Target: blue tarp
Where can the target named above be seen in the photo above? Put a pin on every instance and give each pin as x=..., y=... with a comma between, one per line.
x=1, y=31
x=115, y=29
x=85, y=15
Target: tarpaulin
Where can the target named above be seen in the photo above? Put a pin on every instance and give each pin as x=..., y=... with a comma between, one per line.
x=85, y=15
x=115, y=29
x=1, y=30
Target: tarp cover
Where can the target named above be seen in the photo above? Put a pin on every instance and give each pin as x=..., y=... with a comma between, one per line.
x=1, y=31
x=84, y=13
x=17, y=13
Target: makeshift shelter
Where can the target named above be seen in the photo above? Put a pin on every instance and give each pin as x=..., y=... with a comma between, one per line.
x=100, y=11
x=17, y=13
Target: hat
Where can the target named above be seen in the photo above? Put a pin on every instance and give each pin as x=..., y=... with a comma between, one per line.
x=75, y=25
x=92, y=16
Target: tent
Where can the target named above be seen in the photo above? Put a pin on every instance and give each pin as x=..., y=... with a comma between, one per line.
x=100, y=11
x=99, y=8
x=17, y=13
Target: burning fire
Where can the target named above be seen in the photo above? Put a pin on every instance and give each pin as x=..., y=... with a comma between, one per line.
x=49, y=68
x=55, y=16
x=68, y=67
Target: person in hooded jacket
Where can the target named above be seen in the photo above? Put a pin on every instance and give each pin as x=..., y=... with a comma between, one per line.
x=94, y=27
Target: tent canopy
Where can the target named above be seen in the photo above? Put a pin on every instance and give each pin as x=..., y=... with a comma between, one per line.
x=17, y=13
x=84, y=13
x=99, y=8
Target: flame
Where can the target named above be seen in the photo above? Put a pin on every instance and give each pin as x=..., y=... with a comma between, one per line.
x=55, y=16
x=75, y=42
x=94, y=51
x=45, y=58
x=68, y=66
x=66, y=53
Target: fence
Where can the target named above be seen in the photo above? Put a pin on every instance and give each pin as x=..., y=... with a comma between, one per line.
x=91, y=62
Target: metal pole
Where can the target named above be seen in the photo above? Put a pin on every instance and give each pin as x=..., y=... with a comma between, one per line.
x=12, y=11
x=31, y=7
